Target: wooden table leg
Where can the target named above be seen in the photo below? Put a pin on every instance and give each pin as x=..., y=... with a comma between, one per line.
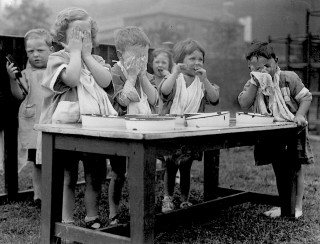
x=52, y=189
x=211, y=174
x=141, y=182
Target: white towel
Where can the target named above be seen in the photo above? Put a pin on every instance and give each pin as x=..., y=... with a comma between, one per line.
x=270, y=88
x=187, y=99
x=92, y=98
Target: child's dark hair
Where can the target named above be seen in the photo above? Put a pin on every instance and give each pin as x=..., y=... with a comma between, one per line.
x=157, y=51
x=260, y=49
x=186, y=47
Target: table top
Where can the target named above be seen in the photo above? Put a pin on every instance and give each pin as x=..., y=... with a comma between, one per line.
x=77, y=129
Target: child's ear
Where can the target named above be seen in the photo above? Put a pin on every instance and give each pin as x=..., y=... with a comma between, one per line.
x=119, y=54
x=51, y=49
x=276, y=59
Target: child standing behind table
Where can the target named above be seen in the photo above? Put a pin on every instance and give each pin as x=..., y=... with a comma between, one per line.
x=280, y=94
x=162, y=62
x=75, y=81
x=134, y=94
x=38, y=45
x=185, y=90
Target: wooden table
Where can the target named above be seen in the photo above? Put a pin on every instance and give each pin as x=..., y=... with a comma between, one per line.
x=141, y=148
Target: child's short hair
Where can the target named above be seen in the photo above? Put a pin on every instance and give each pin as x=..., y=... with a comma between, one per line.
x=130, y=36
x=186, y=47
x=67, y=16
x=157, y=51
x=38, y=33
x=260, y=49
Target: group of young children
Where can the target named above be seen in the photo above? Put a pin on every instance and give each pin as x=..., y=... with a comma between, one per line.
x=79, y=82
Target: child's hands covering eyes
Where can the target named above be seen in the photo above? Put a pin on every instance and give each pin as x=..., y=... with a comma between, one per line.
x=75, y=40
x=86, y=44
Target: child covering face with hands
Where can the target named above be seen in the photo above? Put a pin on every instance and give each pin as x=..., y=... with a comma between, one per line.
x=77, y=80
x=186, y=90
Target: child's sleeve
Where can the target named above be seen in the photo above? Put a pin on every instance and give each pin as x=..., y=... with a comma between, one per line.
x=297, y=89
x=52, y=79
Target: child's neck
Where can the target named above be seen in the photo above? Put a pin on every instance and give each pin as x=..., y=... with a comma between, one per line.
x=189, y=79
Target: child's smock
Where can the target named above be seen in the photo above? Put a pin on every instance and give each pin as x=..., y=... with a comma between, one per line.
x=183, y=155
x=55, y=90
x=293, y=92
x=30, y=108
x=166, y=101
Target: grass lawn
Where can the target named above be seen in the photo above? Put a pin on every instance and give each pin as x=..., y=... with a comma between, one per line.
x=20, y=221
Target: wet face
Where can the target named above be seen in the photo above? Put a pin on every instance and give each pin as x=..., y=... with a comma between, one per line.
x=83, y=25
x=135, y=55
x=261, y=64
x=38, y=52
x=160, y=63
x=193, y=62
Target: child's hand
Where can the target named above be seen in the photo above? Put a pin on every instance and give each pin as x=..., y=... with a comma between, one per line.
x=12, y=70
x=75, y=40
x=86, y=44
x=178, y=68
x=133, y=67
x=163, y=72
x=300, y=120
x=201, y=73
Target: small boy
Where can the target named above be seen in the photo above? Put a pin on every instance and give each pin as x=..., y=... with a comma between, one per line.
x=38, y=45
x=134, y=94
x=282, y=95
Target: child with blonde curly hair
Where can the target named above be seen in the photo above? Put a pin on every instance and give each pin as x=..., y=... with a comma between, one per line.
x=76, y=77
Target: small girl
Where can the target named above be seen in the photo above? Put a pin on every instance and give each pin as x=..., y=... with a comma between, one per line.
x=78, y=80
x=162, y=62
x=185, y=90
x=38, y=46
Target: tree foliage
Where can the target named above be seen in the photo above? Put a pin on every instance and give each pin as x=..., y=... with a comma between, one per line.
x=28, y=15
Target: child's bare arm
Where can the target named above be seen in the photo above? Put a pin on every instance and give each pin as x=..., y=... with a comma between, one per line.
x=149, y=89
x=168, y=84
x=247, y=96
x=71, y=75
x=101, y=74
x=15, y=88
x=212, y=91
x=300, y=117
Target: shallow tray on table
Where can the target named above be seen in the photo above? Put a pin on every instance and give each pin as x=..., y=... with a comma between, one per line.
x=243, y=118
x=216, y=119
x=102, y=121
x=150, y=122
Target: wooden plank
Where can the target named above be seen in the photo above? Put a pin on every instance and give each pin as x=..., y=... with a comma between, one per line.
x=211, y=174
x=87, y=236
x=141, y=182
x=10, y=162
x=52, y=189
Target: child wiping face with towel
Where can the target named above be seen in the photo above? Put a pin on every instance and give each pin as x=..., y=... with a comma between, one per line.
x=283, y=95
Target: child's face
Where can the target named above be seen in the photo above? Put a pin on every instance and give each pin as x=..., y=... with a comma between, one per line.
x=261, y=64
x=38, y=52
x=193, y=61
x=83, y=25
x=160, y=63
x=135, y=55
